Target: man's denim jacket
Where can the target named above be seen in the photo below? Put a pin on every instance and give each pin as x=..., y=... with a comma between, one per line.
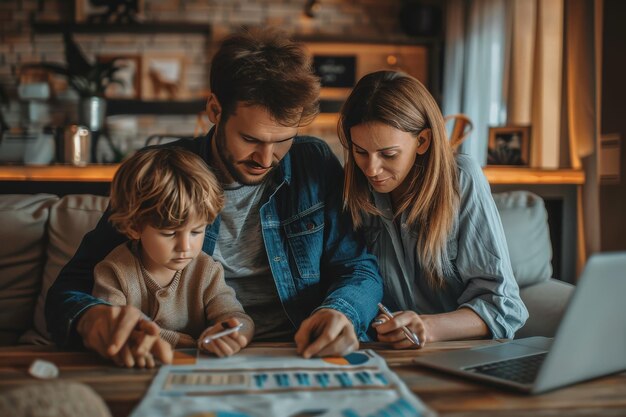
x=316, y=259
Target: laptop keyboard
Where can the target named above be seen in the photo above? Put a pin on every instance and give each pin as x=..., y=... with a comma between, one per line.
x=522, y=370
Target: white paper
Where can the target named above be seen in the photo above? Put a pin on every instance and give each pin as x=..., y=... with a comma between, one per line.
x=280, y=384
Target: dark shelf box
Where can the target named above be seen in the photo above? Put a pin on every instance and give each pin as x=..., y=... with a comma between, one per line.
x=124, y=106
x=121, y=106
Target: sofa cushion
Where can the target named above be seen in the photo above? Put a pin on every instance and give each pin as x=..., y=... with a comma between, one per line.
x=546, y=303
x=55, y=398
x=23, y=220
x=525, y=223
x=70, y=219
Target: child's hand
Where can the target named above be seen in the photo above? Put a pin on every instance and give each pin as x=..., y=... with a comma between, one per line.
x=226, y=345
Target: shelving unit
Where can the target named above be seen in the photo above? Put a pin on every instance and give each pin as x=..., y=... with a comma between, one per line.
x=45, y=27
x=135, y=106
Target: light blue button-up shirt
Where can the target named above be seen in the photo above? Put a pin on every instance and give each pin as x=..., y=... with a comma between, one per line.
x=481, y=279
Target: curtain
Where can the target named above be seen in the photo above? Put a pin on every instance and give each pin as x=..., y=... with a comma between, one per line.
x=503, y=66
x=522, y=60
x=476, y=38
x=537, y=63
x=583, y=39
x=546, y=83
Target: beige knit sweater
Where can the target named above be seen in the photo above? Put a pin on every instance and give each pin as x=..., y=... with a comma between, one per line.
x=194, y=300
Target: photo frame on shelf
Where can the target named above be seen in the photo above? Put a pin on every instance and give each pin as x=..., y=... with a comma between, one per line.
x=509, y=146
x=129, y=75
x=115, y=11
x=163, y=76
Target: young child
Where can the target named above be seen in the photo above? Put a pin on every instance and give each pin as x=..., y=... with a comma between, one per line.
x=163, y=199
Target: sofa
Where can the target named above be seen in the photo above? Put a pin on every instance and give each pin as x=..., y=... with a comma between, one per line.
x=40, y=233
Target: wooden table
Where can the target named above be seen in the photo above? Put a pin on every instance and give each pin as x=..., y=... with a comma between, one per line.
x=122, y=388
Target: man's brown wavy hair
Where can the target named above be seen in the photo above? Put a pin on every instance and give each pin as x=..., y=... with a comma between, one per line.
x=265, y=68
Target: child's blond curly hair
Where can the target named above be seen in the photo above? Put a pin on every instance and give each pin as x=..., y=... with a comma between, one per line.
x=163, y=188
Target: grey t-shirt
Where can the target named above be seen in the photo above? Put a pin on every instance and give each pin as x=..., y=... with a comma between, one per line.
x=241, y=251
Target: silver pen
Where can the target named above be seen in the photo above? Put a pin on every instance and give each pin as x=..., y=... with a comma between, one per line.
x=407, y=332
x=223, y=333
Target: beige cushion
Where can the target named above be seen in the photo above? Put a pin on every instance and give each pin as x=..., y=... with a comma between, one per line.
x=546, y=303
x=70, y=219
x=525, y=223
x=23, y=221
x=53, y=399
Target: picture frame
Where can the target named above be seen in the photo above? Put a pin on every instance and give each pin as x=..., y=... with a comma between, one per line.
x=163, y=76
x=335, y=71
x=130, y=74
x=509, y=146
x=116, y=11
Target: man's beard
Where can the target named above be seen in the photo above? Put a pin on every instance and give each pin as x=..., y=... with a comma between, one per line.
x=229, y=162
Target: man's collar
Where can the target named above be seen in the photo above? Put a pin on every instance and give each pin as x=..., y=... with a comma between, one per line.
x=285, y=166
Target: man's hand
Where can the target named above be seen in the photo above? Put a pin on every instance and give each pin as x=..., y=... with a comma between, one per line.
x=326, y=332
x=122, y=335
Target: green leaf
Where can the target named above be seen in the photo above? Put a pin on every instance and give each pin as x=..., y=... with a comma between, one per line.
x=76, y=61
x=86, y=78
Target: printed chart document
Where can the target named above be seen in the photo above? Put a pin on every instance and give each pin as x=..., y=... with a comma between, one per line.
x=278, y=383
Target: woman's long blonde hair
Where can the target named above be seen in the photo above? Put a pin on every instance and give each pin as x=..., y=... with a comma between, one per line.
x=432, y=198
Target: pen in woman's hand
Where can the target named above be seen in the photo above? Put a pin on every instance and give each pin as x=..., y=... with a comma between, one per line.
x=407, y=332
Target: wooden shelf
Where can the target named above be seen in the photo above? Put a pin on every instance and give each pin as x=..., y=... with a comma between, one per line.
x=142, y=27
x=61, y=173
x=519, y=175
x=104, y=173
x=392, y=39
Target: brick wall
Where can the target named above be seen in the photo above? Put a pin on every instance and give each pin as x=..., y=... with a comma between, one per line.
x=19, y=44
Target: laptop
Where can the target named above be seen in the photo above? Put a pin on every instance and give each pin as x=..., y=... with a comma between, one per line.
x=590, y=341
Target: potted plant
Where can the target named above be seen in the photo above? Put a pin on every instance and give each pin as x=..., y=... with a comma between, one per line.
x=89, y=80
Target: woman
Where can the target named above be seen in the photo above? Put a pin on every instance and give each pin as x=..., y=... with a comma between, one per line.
x=428, y=216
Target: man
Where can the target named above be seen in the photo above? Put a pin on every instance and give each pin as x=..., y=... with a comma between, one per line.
x=286, y=246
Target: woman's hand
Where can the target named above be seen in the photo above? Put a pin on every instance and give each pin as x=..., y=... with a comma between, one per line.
x=390, y=331
x=226, y=345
